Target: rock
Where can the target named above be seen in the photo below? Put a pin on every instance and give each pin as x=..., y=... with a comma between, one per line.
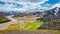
x=50, y=23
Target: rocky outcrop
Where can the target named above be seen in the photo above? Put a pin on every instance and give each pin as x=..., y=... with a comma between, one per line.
x=51, y=19
x=50, y=23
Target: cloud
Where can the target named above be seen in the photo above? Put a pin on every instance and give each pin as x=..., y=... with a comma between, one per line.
x=28, y=5
x=2, y=3
x=50, y=4
x=34, y=2
x=16, y=5
x=56, y=5
x=24, y=5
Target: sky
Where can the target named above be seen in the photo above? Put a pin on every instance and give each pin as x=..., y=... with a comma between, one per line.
x=28, y=5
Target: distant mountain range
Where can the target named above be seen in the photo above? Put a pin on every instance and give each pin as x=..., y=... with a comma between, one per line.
x=17, y=13
x=52, y=12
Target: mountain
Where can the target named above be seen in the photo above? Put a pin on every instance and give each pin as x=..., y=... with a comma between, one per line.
x=51, y=19
x=17, y=13
x=5, y=13
x=52, y=12
x=38, y=12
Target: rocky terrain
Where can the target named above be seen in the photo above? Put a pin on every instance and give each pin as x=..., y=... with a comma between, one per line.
x=51, y=19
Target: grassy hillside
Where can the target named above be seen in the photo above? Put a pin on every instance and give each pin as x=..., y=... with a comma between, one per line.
x=26, y=26
x=3, y=19
x=32, y=25
x=13, y=27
